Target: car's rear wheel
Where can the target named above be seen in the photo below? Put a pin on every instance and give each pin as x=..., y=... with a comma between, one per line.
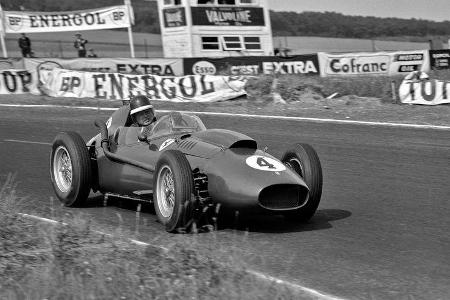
x=70, y=168
x=173, y=190
x=303, y=159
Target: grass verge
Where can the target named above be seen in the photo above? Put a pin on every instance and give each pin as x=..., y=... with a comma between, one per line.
x=73, y=261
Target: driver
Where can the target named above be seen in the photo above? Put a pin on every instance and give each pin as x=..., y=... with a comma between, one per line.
x=141, y=111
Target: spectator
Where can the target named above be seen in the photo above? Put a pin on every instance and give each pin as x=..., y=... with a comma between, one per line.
x=276, y=51
x=284, y=52
x=92, y=53
x=80, y=44
x=25, y=45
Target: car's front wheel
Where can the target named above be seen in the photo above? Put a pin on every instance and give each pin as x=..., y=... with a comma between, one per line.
x=173, y=190
x=303, y=159
x=70, y=168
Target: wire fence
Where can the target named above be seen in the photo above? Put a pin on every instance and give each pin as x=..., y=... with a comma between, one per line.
x=65, y=49
x=311, y=44
x=115, y=44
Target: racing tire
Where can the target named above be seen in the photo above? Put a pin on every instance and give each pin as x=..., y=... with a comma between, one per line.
x=70, y=169
x=173, y=186
x=303, y=159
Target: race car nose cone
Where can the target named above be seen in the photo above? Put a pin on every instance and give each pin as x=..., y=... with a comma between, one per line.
x=236, y=179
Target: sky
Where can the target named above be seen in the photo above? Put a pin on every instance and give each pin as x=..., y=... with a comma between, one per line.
x=435, y=10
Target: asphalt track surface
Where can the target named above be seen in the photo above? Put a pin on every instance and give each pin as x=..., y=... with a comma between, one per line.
x=381, y=230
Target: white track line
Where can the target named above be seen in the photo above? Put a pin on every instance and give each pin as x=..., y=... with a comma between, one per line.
x=96, y=231
x=41, y=219
x=319, y=120
x=311, y=292
x=26, y=142
x=315, y=120
x=58, y=106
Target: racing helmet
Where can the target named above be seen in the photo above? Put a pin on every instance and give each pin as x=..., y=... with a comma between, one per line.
x=141, y=110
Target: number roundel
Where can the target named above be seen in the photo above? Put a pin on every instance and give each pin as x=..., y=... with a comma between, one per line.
x=265, y=163
x=166, y=144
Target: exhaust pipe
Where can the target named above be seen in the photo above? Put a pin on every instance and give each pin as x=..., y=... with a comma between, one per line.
x=115, y=157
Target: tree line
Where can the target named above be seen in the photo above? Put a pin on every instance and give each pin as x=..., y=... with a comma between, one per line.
x=325, y=24
x=331, y=24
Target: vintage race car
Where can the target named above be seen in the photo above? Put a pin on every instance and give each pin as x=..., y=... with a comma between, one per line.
x=186, y=170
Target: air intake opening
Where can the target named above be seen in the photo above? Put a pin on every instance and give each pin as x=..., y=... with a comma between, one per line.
x=283, y=196
x=251, y=144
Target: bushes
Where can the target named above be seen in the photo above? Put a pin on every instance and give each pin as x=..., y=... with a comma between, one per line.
x=296, y=87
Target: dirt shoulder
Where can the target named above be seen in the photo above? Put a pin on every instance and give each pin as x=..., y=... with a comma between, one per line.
x=309, y=106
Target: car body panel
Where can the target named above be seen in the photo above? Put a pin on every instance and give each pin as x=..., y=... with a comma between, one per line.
x=234, y=183
x=237, y=171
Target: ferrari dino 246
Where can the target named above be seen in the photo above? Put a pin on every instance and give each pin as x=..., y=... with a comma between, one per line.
x=185, y=169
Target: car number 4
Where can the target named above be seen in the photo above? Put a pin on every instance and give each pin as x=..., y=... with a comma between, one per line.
x=264, y=163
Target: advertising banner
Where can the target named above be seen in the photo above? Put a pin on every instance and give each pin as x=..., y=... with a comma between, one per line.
x=174, y=17
x=409, y=61
x=440, y=59
x=376, y=63
x=115, y=86
x=11, y=63
x=102, y=18
x=155, y=66
x=414, y=90
x=228, y=16
x=15, y=82
x=253, y=65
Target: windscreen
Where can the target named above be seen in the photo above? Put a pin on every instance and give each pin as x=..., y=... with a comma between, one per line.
x=176, y=123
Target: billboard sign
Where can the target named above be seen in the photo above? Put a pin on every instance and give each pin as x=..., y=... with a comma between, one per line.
x=228, y=16
x=440, y=59
x=376, y=63
x=253, y=65
x=94, y=19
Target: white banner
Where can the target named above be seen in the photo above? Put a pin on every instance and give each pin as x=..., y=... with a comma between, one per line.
x=424, y=91
x=376, y=63
x=11, y=63
x=102, y=18
x=154, y=66
x=15, y=82
x=115, y=86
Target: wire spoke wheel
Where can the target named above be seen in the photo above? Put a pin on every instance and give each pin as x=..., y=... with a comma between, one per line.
x=166, y=191
x=70, y=168
x=173, y=190
x=62, y=169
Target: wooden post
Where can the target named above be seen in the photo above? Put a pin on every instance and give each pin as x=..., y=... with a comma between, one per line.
x=2, y=33
x=130, y=37
x=394, y=91
x=130, y=33
x=5, y=53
